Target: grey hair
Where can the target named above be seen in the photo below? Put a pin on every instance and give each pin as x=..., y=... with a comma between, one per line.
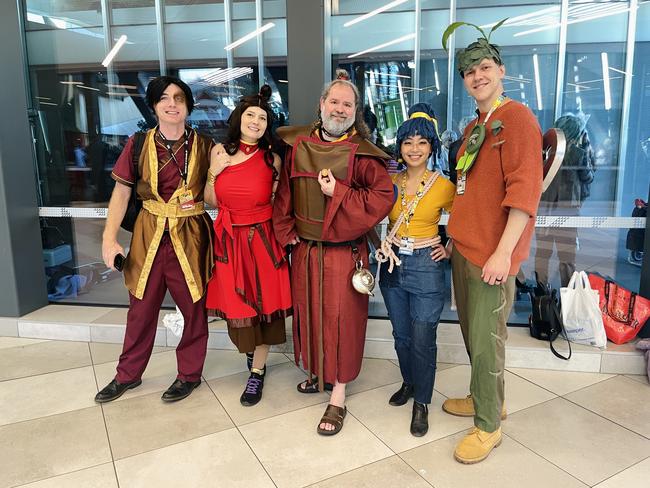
x=359, y=124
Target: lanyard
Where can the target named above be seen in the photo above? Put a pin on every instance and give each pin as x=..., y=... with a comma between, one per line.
x=409, y=212
x=497, y=103
x=182, y=172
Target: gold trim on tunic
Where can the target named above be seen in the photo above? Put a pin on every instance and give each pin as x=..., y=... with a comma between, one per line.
x=167, y=214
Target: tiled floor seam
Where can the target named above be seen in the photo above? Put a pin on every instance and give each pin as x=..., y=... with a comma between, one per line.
x=547, y=460
x=622, y=471
x=242, y=435
x=63, y=474
x=48, y=372
x=608, y=419
x=108, y=437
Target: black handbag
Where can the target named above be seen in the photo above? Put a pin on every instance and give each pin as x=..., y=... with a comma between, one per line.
x=545, y=321
x=135, y=205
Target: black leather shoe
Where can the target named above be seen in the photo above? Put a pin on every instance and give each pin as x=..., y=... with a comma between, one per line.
x=401, y=396
x=253, y=392
x=420, y=419
x=180, y=389
x=114, y=390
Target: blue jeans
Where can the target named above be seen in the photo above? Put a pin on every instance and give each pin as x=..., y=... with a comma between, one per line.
x=413, y=294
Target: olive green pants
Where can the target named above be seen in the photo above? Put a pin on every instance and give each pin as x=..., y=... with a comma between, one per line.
x=482, y=311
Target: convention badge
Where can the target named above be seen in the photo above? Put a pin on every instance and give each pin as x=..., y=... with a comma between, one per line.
x=186, y=199
x=460, y=184
x=406, y=246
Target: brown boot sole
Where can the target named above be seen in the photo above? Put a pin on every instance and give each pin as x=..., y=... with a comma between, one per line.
x=504, y=415
x=477, y=460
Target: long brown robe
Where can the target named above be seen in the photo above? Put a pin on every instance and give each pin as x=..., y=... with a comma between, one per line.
x=362, y=197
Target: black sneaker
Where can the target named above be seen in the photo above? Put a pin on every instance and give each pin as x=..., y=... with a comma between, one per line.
x=253, y=392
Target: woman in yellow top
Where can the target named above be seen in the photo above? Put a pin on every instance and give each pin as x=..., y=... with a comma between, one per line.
x=413, y=284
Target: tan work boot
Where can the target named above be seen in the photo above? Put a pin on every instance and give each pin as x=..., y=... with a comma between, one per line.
x=477, y=445
x=464, y=407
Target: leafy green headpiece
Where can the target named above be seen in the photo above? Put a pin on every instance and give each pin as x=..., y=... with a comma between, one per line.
x=476, y=51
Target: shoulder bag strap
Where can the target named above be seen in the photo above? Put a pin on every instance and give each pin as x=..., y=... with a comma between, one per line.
x=557, y=322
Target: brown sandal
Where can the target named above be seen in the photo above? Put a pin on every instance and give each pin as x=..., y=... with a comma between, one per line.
x=334, y=416
x=311, y=386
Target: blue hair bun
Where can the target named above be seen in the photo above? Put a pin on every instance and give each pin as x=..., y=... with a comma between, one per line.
x=424, y=108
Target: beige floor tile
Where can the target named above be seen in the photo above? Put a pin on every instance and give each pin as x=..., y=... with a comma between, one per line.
x=619, y=399
x=510, y=465
x=295, y=455
x=160, y=373
x=387, y=472
x=103, y=352
x=102, y=476
x=374, y=373
x=145, y=423
x=51, y=446
x=67, y=314
x=218, y=460
x=220, y=363
x=391, y=424
x=560, y=382
x=520, y=394
x=635, y=477
x=47, y=394
x=7, y=342
x=279, y=394
x=641, y=378
x=44, y=357
x=580, y=442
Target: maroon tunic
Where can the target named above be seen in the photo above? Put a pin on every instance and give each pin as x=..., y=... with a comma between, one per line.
x=349, y=214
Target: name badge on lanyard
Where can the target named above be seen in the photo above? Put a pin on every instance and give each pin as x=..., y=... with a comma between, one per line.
x=186, y=199
x=406, y=246
x=460, y=183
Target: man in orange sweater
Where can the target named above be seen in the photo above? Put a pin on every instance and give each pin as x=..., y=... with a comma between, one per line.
x=491, y=224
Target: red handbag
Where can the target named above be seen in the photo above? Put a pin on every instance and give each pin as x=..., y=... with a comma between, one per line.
x=624, y=312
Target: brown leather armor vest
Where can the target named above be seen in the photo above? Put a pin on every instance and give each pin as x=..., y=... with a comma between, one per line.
x=310, y=155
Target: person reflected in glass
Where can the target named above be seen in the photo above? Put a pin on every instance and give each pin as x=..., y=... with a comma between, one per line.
x=565, y=196
x=413, y=280
x=250, y=286
x=171, y=243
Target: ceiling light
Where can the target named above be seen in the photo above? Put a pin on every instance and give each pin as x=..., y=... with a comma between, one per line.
x=118, y=45
x=372, y=13
x=249, y=36
x=385, y=44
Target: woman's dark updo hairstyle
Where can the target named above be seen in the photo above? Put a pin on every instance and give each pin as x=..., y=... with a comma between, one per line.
x=233, y=136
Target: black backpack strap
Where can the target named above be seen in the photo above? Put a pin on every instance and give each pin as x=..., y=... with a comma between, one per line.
x=138, y=143
x=557, y=322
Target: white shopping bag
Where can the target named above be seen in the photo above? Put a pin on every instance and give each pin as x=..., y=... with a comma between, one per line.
x=174, y=322
x=581, y=316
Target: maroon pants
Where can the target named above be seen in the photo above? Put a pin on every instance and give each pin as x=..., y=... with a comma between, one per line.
x=142, y=321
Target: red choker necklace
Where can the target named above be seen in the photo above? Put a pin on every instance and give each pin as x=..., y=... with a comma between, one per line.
x=247, y=148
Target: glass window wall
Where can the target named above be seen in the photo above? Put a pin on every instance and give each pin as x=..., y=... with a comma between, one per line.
x=85, y=111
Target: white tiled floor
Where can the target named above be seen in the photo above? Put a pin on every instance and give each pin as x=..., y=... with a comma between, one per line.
x=564, y=429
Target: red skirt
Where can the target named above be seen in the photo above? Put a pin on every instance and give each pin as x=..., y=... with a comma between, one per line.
x=250, y=282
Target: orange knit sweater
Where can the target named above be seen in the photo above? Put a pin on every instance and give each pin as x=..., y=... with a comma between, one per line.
x=506, y=174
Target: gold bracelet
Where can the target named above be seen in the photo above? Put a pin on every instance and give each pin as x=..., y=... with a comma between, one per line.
x=211, y=177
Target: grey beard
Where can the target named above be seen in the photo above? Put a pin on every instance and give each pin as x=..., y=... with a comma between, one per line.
x=335, y=128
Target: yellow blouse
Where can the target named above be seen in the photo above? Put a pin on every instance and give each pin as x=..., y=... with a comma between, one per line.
x=424, y=223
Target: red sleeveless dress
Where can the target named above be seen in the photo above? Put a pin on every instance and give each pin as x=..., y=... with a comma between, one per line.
x=250, y=284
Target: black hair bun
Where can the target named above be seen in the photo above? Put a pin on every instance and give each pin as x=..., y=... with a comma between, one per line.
x=265, y=92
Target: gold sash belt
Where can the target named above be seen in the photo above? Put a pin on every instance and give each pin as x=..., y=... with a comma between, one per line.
x=172, y=210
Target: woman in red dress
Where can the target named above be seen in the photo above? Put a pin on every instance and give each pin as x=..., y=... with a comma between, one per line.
x=250, y=283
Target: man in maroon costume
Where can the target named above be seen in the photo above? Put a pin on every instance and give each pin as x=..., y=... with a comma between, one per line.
x=333, y=189
x=171, y=247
